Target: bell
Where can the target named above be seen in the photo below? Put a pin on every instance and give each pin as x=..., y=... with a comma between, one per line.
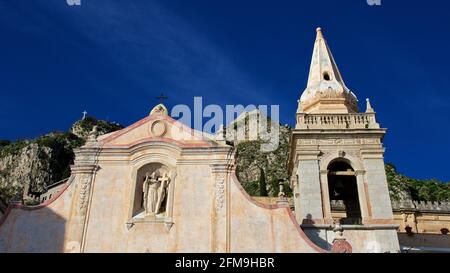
x=338, y=188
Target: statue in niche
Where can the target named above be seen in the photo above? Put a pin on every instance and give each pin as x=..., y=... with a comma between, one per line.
x=150, y=189
x=162, y=191
x=155, y=192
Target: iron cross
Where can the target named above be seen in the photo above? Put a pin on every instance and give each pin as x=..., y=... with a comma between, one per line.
x=162, y=97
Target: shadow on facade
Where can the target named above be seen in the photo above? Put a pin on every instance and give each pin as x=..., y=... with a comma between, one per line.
x=32, y=231
x=318, y=236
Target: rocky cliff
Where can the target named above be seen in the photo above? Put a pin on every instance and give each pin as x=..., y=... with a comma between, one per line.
x=27, y=167
x=260, y=171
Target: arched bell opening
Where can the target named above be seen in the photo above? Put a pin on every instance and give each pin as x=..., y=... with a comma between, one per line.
x=343, y=190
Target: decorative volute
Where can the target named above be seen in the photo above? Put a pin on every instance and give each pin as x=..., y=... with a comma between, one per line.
x=326, y=91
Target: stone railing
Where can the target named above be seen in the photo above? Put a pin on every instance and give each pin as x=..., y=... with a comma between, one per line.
x=337, y=205
x=337, y=121
x=424, y=206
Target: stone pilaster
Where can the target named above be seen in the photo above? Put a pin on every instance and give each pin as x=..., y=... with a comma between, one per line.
x=83, y=170
x=363, y=201
x=325, y=196
x=220, y=207
x=309, y=188
x=377, y=188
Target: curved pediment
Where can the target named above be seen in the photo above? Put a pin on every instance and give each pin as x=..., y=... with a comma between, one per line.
x=158, y=127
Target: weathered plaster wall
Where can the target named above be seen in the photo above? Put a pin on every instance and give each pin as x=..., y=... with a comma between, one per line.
x=256, y=227
x=38, y=229
x=425, y=240
x=251, y=227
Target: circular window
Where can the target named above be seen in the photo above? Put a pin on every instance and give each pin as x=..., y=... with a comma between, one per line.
x=326, y=76
x=158, y=128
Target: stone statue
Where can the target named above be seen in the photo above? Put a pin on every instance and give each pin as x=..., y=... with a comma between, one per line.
x=150, y=189
x=162, y=191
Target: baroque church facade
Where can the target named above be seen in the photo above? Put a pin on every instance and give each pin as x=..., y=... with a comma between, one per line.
x=159, y=186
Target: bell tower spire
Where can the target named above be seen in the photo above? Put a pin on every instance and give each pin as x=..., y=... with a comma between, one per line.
x=336, y=161
x=326, y=91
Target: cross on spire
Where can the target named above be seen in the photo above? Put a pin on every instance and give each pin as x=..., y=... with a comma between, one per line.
x=162, y=97
x=84, y=114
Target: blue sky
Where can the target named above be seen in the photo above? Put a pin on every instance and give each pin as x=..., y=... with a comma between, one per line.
x=112, y=58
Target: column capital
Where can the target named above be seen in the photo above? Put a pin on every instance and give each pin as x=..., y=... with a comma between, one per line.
x=372, y=153
x=308, y=155
x=220, y=167
x=84, y=168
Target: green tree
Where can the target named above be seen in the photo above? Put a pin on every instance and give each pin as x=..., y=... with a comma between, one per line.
x=262, y=183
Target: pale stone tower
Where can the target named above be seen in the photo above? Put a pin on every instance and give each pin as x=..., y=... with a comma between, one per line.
x=336, y=159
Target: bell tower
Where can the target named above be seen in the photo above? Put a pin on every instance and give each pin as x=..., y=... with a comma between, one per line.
x=336, y=162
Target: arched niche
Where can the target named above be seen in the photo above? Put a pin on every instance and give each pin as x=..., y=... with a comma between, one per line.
x=152, y=193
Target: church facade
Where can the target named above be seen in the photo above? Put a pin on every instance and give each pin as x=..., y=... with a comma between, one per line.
x=159, y=186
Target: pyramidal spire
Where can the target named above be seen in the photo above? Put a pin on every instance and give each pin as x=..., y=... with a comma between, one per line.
x=326, y=91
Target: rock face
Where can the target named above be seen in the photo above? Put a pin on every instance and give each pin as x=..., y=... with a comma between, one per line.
x=257, y=169
x=260, y=171
x=28, y=167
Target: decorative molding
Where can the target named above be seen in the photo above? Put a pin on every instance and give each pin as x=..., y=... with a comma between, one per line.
x=84, y=192
x=352, y=140
x=351, y=156
x=306, y=142
x=220, y=192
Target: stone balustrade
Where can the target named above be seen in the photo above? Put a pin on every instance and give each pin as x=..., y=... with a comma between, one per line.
x=425, y=206
x=337, y=205
x=337, y=121
x=422, y=206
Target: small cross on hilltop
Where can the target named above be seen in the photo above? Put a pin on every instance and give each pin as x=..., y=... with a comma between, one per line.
x=84, y=114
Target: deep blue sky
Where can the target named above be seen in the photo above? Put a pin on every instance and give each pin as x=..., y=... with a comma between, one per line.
x=113, y=57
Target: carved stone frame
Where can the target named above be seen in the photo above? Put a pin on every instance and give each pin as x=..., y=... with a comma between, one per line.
x=168, y=219
x=357, y=166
